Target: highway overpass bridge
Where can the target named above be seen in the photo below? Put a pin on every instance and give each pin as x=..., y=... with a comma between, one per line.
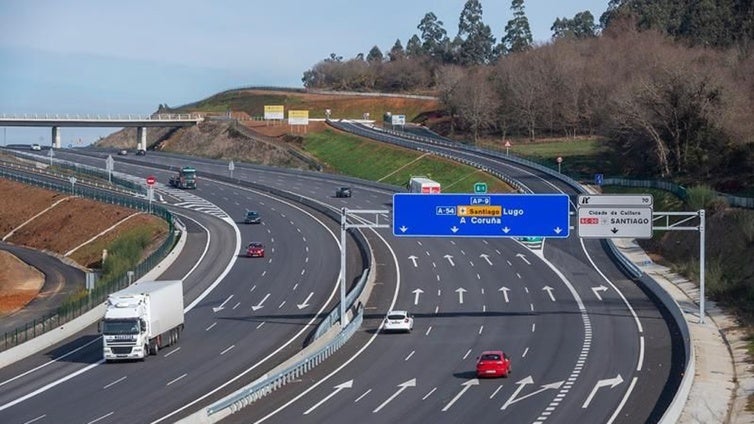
x=141, y=122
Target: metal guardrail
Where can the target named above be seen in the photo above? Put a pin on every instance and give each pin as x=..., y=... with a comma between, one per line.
x=262, y=388
x=98, y=117
x=76, y=307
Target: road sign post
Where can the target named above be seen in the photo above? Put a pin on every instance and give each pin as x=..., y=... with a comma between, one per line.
x=150, y=190
x=480, y=215
x=231, y=167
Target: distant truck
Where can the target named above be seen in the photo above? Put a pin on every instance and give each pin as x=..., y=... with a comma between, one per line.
x=185, y=178
x=423, y=185
x=142, y=319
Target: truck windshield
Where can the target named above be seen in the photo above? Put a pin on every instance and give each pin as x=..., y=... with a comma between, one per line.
x=112, y=327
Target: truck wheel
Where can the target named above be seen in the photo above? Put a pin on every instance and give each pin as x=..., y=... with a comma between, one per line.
x=155, y=348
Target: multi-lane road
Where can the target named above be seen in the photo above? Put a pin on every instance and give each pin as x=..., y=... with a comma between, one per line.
x=587, y=344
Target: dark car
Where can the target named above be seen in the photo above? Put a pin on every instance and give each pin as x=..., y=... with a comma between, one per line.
x=141, y=152
x=252, y=217
x=343, y=192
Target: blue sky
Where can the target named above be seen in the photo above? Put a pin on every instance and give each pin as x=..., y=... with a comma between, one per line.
x=119, y=57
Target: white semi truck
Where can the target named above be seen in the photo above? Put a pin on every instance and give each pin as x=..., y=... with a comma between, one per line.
x=423, y=185
x=141, y=319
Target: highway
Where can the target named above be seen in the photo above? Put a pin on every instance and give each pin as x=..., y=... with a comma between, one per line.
x=586, y=344
x=249, y=321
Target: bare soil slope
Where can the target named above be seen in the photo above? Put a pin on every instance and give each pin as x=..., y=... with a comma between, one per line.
x=56, y=229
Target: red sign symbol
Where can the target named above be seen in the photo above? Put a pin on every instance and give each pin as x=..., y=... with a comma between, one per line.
x=151, y=180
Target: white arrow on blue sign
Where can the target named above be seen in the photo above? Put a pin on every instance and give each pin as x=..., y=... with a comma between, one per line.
x=480, y=215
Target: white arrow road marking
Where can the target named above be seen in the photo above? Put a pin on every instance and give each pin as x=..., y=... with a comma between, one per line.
x=222, y=305
x=259, y=305
x=522, y=383
x=505, y=291
x=347, y=385
x=523, y=258
x=549, y=290
x=450, y=259
x=413, y=259
x=612, y=382
x=460, y=292
x=466, y=385
x=416, y=293
x=600, y=288
x=486, y=257
x=409, y=383
x=306, y=301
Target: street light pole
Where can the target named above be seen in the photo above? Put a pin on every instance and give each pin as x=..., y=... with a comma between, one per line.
x=344, y=226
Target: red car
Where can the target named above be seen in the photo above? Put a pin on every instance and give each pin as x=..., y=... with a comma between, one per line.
x=493, y=363
x=255, y=250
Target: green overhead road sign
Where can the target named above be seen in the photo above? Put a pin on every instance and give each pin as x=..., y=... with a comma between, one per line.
x=480, y=188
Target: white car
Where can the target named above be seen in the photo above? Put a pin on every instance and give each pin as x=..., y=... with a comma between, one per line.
x=36, y=147
x=399, y=321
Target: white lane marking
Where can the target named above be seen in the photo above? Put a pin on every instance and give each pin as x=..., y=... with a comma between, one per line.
x=505, y=291
x=281, y=305
x=33, y=420
x=49, y=386
x=227, y=350
x=347, y=385
x=428, y=394
x=97, y=340
x=172, y=351
x=519, y=276
x=549, y=290
x=410, y=355
x=253, y=288
x=222, y=305
x=176, y=379
x=428, y=330
x=531, y=306
x=612, y=382
x=211, y=326
x=466, y=385
x=295, y=286
x=437, y=309
x=481, y=328
x=237, y=305
x=101, y=418
x=359, y=398
x=523, y=383
x=403, y=386
x=467, y=354
x=416, y=293
x=526, y=289
x=260, y=325
x=533, y=326
x=640, y=364
x=107, y=386
x=623, y=401
x=496, y=390
x=525, y=352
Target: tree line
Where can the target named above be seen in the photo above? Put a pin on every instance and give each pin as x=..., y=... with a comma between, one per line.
x=668, y=82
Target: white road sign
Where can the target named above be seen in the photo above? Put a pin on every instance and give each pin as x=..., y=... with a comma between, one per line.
x=614, y=222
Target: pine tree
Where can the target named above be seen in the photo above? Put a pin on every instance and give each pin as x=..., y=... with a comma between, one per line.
x=476, y=46
x=396, y=52
x=517, y=36
x=433, y=35
x=375, y=55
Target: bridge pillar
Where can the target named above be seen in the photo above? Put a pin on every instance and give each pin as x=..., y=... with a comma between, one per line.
x=56, y=137
x=141, y=138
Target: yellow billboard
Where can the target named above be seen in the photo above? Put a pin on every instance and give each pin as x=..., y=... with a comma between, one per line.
x=298, y=117
x=274, y=112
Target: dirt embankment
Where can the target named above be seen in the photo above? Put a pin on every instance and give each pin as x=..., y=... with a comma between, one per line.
x=56, y=223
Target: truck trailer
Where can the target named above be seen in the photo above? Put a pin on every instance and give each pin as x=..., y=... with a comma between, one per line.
x=423, y=185
x=142, y=319
x=185, y=178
